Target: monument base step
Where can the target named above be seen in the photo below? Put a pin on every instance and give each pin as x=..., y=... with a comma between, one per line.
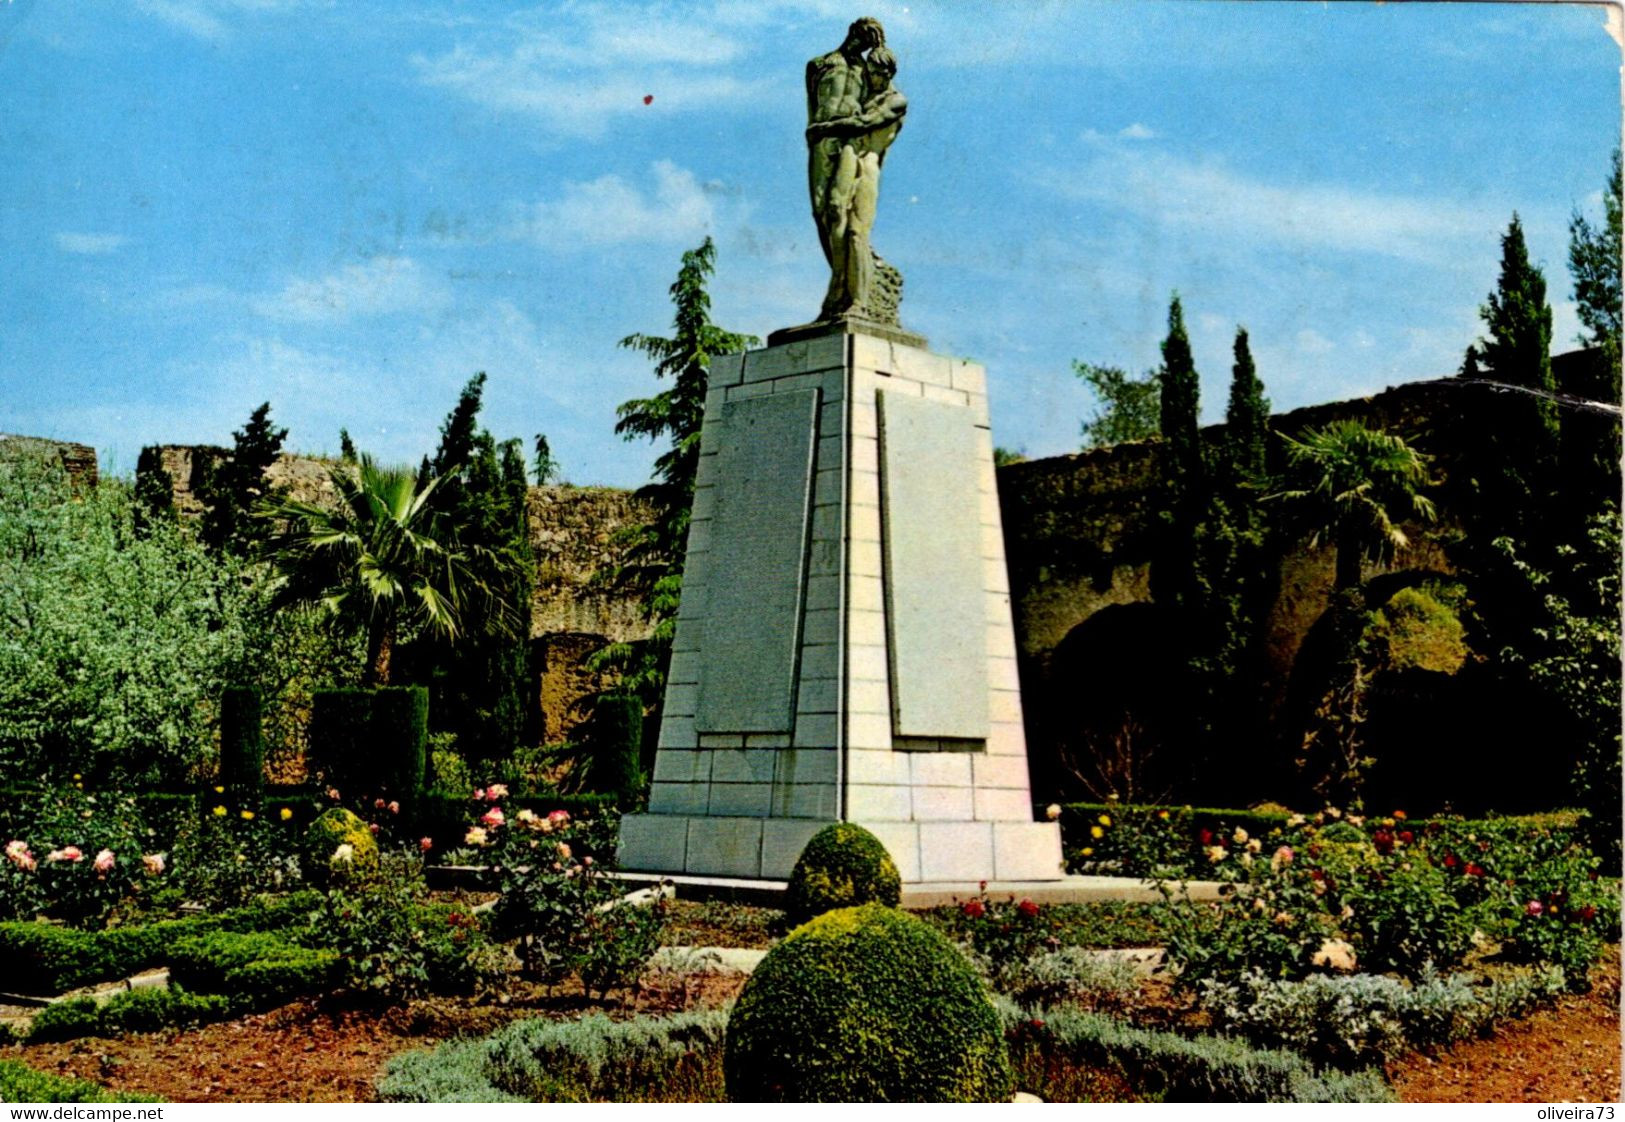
x=1067, y=890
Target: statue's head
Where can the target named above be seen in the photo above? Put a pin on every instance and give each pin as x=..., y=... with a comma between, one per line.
x=865, y=34
x=882, y=69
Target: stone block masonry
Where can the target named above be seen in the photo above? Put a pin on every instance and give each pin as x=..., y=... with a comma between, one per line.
x=844, y=649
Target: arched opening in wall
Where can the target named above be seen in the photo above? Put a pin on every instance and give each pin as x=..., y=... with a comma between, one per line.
x=1102, y=709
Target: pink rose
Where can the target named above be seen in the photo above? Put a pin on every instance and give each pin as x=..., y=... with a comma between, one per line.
x=559, y=817
x=333, y=793
x=19, y=855
x=479, y=793
x=496, y=791
x=373, y=826
x=425, y=844
x=67, y=853
x=105, y=861
x=1534, y=908
x=394, y=807
x=378, y=804
x=493, y=817
x=154, y=863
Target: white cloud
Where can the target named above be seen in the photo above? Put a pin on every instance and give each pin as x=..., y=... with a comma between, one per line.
x=209, y=20
x=609, y=210
x=90, y=244
x=1311, y=342
x=1137, y=131
x=380, y=286
x=1207, y=196
x=575, y=68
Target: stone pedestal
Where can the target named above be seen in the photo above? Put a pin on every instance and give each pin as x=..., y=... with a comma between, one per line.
x=844, y=649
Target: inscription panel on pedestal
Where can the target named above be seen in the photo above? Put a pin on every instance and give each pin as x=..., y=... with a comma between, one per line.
x=757, y=565
x=936, y=614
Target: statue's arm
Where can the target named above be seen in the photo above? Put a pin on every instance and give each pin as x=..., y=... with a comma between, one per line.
x=880, y=112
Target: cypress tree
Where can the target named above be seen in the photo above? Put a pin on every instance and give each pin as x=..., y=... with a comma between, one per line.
x=233, y=488
x=1247, y=417
x=1179, y=400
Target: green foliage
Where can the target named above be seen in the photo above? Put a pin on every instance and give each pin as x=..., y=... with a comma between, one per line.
x=325, y=858
x=399, y=732
x=865, y=1004
x=143, y=1010
x=20, y=1083
x=1417, y=630
x=1179, y=1068
x=1364, y=1019
x=384, y=559
x=233, y=488
x=1594, y=256
x=371, y=742
x=841, y=866
x=1002, y=938
x=154, y=488
x=1150, y=840
x=594, y=1059
x=448, y=769
x=1126, y=408
x=617, y=747
x=253, y=971
x=480, y=683
x=546, y=466
x=1247, y=419
x=75, y=856
x=651, y=562
x=1179, y=409
x=117, y=643
x=242, y=745
x=1354, y=486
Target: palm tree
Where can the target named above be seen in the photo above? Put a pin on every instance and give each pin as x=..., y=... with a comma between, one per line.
x=1359, y=484
x=384, y=558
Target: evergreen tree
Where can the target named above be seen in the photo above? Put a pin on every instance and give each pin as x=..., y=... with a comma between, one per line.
x=233, y=488
x=346, y=447
x=1126, y=407
x=1512, y=452
x=480, y=685
x=1247, y=418
x=154, y=489
x=651, y=564
x=1594, y=264
x=1179, y=407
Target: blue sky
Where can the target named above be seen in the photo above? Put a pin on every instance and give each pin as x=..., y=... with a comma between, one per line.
x=348, y=209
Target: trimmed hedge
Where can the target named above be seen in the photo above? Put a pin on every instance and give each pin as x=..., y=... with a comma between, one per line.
x=1187, y=1068
x=144, y=1010
x=372, y=741
x=865, y=1004
x=617, y=747
x=842, y=866
x=253, y=970
x=666, y=1059
x=242, y=746
x=20, y=1083
x=44, y=958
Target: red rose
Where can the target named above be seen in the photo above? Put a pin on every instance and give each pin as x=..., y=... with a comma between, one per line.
x=1027, y=908
x=1588, y=913
x=1450, y=861
x=974, y=909
x=1473, y=870
x=1407, y=837
x=1205, y=836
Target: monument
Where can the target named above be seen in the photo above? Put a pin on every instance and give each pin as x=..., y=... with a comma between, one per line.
x=844, y=649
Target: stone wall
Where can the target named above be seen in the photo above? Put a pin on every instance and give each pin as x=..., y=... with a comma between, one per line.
x=79, y=460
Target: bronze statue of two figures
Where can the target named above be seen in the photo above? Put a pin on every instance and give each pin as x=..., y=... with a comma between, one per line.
x=854, y=112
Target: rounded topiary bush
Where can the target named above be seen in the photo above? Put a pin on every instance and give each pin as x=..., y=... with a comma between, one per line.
x=322, y=860
x=843, y=866
x=865, y=1004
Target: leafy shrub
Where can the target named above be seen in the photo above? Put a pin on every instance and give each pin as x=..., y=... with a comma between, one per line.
x=1001, y=938
x=253, y=970
x=143, y=1010
x=76, y=856
x=22, y=1084
x=655, y=1059
x=1187, y=1068
x=842, y=866
x=865, y=1004
x=339, y=849
x=618, y=944
x=1073, y=976
x=242, y=746
x=1363, y=1019
x=232, y=853
x=617, y=747
x=448, y=770
x=1404, y=918
x=1134, y=841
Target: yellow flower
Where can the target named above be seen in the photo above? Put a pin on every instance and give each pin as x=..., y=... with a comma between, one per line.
x=77, y=777
x=286, y=813
x=1096, y=832
x=1105, y=820
x=220, y=790
x=248, y=815
x=1088, y=851
x=219, y=812
x=1162, y=814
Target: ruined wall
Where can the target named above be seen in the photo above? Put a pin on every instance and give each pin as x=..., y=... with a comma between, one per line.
x=79, y=460
x=572, y=531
